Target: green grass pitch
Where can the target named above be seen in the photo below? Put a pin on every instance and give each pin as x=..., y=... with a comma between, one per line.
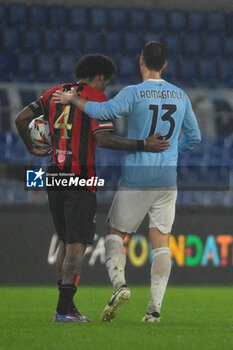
x=192, y=319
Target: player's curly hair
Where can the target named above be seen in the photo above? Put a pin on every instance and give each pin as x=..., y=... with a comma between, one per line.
x=92, y=65
x=155, y=55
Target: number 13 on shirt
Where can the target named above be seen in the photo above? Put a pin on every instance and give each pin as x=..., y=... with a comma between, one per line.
x=167, y=116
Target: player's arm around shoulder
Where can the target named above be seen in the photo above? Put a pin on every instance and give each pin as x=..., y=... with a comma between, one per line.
x=116, y=107
x=119, y=106
x=107, y=139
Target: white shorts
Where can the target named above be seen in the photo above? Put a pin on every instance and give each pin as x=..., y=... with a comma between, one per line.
x=130, y=206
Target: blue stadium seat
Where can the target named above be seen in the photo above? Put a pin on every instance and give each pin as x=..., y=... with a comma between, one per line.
x=26, y=64
x=32, y=40
x=4, y=100
x=177, y=20
x=158, y=20
x=3, y=14
x=5, y=121
x=98, y=18
x=172, y=70
x=11, y=38
x=46, y=65
x=196, y=21
x=73, y=41
x=92, y=42
x=216, y=22
x=225, y=71
x=7, y=65
x=228, y=46
x=78, y=18
x=208, y=70
x=18, y=14
x=27, y=96
x=188, y=70
x=38, y=16
x=221, y=144
x=113, y=43
x=52, y=40
x=17, y=153
x=212, y=45
x=127, y=68
x=152, y=36
x=58, y=16
x=229, y=22
x=65, y=65
x=138, y=20
x=192, y=45
x=118, y=19
x=3, y=145
x=132, y=42
x=173, y=43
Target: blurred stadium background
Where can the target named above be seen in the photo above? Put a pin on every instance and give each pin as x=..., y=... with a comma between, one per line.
x=39, y=43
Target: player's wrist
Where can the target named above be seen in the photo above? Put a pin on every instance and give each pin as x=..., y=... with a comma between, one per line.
x=141, y=145
x=75, y=100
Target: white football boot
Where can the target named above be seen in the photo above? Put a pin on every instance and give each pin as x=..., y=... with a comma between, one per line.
x=120, y=297
x=154, y=317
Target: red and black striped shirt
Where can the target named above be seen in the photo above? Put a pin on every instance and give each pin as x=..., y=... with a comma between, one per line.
x=72, y=130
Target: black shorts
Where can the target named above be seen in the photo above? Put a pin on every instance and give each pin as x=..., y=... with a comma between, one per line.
x=73, y=214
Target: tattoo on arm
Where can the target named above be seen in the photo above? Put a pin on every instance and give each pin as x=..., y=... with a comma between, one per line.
x=79, y=102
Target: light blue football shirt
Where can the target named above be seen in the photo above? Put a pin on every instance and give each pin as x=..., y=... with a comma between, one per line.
x=151, y=107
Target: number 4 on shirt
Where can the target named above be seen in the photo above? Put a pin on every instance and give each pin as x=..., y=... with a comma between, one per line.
x=64, y=125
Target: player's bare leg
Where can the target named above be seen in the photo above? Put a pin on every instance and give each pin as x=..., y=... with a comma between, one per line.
x=71, y=269
x=73, y=262
x=115, y=264
x=160, y=272
x=59, y=268
x=59, y=262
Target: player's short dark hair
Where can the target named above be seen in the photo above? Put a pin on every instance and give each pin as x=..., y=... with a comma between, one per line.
x=155, y=55
x=92, y=65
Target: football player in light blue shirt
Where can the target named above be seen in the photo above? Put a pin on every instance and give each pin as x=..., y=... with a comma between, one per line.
x=148, y=182
x=153, y=106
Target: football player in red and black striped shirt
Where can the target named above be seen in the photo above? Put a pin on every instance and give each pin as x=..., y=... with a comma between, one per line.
x=74, y=137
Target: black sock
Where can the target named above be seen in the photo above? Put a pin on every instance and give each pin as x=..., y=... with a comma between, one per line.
x=72, y=305
x=65, y=299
